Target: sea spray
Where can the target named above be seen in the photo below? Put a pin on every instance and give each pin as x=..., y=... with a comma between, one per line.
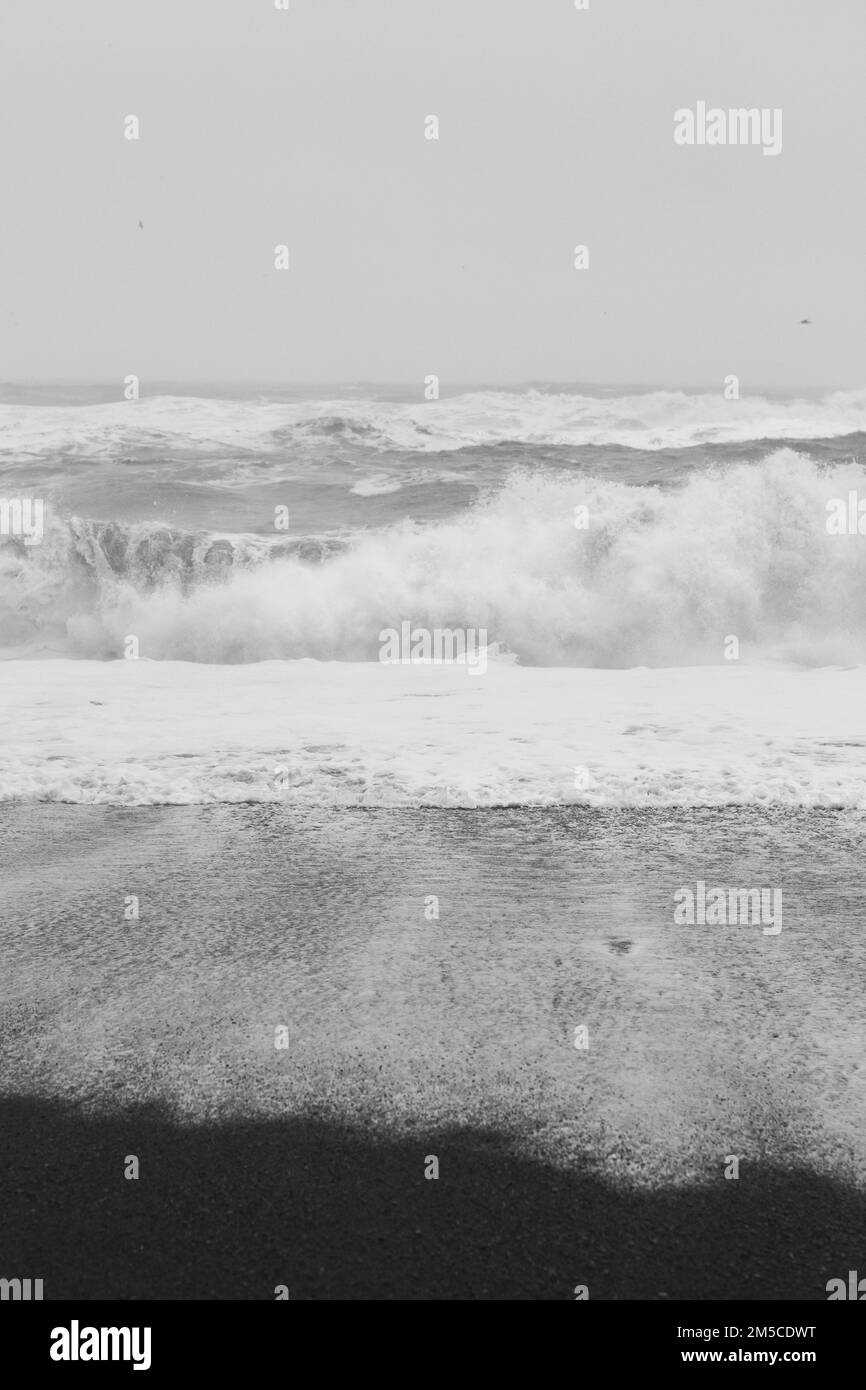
x=659, y=576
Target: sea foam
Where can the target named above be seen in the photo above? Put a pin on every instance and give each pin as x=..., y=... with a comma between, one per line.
x=660, y=576
x=318, y=734
x=641, y=420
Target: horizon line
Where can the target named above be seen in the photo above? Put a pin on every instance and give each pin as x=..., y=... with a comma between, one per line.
x=415, y=383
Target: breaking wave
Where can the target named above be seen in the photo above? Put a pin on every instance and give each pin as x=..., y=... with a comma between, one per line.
x=643, y=420
x=659, y=577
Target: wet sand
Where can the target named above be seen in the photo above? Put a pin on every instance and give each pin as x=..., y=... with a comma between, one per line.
x=410, y=1036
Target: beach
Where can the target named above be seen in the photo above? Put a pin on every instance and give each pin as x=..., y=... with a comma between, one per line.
x=433, y=672
x=411, y=1035
x=529, y=971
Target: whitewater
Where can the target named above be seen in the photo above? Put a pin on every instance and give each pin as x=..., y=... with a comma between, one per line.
x=665, y=607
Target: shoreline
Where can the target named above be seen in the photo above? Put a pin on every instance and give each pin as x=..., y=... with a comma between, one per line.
x=328, y=734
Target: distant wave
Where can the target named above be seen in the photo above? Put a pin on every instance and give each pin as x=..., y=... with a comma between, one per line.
x=659, y=578
x=651, y=420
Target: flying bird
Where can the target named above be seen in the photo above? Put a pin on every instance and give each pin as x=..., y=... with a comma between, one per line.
x=141, y=224
x=805, y=320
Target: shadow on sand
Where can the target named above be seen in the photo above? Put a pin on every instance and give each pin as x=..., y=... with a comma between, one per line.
x=230, y=1211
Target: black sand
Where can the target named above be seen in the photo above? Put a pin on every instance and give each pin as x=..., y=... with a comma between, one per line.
x=411, y=1037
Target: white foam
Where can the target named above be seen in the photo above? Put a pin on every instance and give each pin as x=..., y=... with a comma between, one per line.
x=660, y=577
x=649, y=420
x=376, y=486
x=312, y=734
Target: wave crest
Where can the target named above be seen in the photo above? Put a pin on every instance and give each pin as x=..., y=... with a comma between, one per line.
x=644, y=420
x=660, y=577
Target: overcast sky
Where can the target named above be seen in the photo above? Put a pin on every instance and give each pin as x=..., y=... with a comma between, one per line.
x=411, y=256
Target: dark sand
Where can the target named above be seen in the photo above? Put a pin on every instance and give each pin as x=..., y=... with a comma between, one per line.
x=410, y=1037
x=231, y=1212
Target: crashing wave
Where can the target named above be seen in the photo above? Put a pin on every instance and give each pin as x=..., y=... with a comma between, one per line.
x=658, y=577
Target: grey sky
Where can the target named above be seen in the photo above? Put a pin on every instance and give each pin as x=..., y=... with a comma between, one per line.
x=412, y=256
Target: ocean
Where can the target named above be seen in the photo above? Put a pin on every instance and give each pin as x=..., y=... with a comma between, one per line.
x=663, y=603
x=287, y=921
